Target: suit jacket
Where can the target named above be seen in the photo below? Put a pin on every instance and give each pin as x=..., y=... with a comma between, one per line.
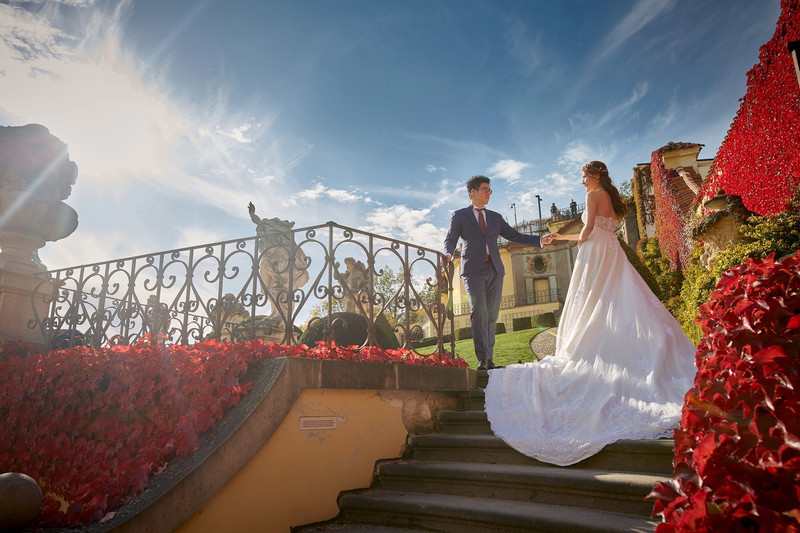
x=463, y=224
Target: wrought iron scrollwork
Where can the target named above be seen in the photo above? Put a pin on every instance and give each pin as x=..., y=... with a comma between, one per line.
x=262, y=286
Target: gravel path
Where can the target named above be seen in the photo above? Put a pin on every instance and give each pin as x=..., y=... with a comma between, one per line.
x=544, y=343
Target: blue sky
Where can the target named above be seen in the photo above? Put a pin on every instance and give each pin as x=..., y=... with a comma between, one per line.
x=369, y=113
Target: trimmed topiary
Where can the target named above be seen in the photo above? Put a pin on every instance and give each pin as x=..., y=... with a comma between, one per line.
x=427, y=341
x=547, y=320
x=463, y=333
x=350, y=329
x=523, y=322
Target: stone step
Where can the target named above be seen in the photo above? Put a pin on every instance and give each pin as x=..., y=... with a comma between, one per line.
x=351, y=527
x=465, y=514
x=622, y=492
x=475, y=400
x=647, y=456
x=464, y=422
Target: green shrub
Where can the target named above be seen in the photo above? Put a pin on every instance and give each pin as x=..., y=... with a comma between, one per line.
x=547, y=320
x=351, y=331
x=778, y=234
x=669, y=281
x=463, y=333
x=523, y=322
x=427, y=341
x=499, y=328
x=695, y=291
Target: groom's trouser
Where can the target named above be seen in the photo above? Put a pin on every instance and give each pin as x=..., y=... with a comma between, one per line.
x=485, y=290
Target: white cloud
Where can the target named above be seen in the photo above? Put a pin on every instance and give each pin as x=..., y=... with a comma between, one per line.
x=406, y=224
x=433, y=168
x=89, y=91
x=191, y=236
x=508, y=169
x=319, y=191
x=623, y=109
x=526, y=50
x=237, y=134
x=575, y=155
x=644, y=12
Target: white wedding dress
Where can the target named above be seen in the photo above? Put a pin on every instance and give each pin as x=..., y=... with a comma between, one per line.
x=620, y=371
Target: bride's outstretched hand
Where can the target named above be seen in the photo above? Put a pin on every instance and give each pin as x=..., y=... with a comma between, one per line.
x=549, y=238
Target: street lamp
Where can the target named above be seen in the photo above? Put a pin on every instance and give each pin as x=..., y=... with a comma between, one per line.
x=794, y=49
x=539, y=198
x=514, y=207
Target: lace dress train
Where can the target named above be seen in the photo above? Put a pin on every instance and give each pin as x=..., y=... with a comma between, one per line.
x=621, y=369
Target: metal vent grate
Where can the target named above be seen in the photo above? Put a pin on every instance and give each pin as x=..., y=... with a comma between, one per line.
x=317, y=423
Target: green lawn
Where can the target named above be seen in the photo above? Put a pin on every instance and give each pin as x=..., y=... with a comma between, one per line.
x=508, y=348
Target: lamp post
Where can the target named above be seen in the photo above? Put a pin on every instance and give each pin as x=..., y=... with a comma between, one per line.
x=794, y=49
x=539, y=198
x=514, y=207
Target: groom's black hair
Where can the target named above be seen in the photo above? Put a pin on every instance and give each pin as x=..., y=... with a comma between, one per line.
x=476, y=181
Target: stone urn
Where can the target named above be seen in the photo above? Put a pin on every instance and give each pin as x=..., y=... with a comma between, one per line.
x=36, y=175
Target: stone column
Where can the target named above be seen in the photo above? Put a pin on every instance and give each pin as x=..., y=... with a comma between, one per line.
x=35, y=176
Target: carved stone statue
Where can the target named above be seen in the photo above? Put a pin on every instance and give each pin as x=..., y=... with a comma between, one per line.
x=353, y=281
x=276, y=243
x=156, y=316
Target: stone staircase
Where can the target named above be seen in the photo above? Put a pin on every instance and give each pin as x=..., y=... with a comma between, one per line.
x=464, y=479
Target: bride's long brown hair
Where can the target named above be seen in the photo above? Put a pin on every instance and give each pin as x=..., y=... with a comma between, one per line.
x=599, y=170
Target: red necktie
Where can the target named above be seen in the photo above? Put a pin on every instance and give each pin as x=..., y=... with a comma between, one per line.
x=481, y=220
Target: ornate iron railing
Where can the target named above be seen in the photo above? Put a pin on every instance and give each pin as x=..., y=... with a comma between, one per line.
x=509, y=302
x=263, y=286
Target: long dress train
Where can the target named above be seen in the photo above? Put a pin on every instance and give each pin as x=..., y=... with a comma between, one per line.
x=620, y=371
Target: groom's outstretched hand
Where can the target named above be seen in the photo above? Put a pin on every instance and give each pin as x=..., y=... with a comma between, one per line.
x=549, y=238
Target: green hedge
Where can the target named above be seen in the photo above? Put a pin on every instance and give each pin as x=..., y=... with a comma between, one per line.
x=547, y=320
x=499, y=328
x=430, y=341
x=521, y=323
x=463, y=333
x=354, y=334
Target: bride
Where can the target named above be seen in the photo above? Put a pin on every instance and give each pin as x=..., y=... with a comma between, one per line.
x=622, y=363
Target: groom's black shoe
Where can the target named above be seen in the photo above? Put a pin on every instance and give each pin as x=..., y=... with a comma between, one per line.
x=490, y=365
x=482, y=365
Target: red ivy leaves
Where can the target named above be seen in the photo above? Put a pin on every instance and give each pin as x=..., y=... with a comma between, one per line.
x=760, y=157
x=92, y=426
x=737, y=454
x=670, y=224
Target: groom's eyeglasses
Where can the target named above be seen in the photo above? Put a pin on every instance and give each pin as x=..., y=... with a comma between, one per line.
x=487, y=189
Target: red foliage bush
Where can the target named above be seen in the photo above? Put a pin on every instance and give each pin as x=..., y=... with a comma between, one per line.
x=670, y=221
x=737, y=453
x=760, y=157
x=92, y=426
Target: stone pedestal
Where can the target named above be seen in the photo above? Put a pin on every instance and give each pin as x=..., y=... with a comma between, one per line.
x=17, y=303
x=35, y=176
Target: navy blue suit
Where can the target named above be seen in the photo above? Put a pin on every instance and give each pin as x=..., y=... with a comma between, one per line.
x=483, y=277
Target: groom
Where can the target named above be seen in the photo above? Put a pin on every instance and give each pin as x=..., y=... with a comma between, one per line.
x=481, y=266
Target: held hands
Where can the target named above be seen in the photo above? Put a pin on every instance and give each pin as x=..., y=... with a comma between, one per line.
x=549, y=238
